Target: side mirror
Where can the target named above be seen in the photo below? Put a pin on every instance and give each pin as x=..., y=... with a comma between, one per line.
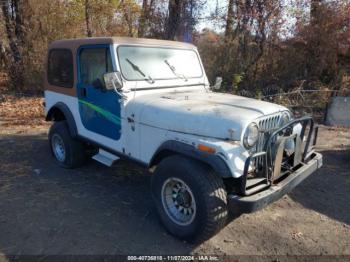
x=113, y=81
x=218, y=82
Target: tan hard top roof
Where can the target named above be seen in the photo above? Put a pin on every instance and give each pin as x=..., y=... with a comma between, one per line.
x=76, y=42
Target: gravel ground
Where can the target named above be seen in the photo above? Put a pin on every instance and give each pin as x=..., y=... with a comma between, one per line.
x=48, y=210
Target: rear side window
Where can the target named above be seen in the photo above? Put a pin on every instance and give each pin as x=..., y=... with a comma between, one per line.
x=60, y=68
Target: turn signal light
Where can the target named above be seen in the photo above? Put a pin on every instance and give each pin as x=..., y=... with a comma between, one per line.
x=205, y=148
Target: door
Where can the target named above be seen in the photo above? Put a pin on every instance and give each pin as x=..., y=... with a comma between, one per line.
x=99, y=108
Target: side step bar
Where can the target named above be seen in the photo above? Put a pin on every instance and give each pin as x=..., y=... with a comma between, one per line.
x=105, y=157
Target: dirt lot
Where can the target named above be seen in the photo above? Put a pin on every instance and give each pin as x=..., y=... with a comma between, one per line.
x=98, y=210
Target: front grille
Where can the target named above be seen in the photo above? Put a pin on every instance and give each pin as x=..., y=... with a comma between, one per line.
x=266, y=126
x=279, y=164
x=269, y=123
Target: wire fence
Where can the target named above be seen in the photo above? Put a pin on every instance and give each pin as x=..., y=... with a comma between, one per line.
x=301, y=102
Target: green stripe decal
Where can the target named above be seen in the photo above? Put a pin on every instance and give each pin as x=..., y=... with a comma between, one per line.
x=106, y=114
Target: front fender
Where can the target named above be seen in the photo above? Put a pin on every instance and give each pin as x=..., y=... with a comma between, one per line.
x=213, y=160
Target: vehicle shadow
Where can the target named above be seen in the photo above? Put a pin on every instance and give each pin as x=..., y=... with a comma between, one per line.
x=90, y=210
x=327, y=191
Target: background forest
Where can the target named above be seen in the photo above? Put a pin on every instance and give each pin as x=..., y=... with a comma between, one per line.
x=259, y=47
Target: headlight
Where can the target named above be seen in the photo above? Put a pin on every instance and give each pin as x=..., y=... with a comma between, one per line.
x=251, y=135
x=285, y=118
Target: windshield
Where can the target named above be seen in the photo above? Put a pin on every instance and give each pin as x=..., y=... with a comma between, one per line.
x=156, y=63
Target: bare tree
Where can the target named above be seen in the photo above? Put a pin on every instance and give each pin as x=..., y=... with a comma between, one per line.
x=14, y=24
x=173, y=21
x=88, y=18
x=143, y=17
x=315, y=10
x=3, y=60
x=229, y=18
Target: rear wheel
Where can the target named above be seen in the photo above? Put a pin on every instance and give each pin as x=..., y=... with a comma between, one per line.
x=67, y=151
x=190, y=198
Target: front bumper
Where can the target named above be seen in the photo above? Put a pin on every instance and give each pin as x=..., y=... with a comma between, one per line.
x=251, y=203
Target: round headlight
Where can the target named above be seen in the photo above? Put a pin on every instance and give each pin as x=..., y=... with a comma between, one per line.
x=285, y=118
x=251, y=135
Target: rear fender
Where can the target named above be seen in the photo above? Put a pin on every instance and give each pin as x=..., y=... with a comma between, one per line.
x=59, y=112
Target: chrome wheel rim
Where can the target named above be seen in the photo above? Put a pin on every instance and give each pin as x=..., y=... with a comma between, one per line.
x=58, y=147
x=178, y=201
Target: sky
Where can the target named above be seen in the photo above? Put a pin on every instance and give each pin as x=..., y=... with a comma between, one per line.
x=210, y=7
x=221, y=5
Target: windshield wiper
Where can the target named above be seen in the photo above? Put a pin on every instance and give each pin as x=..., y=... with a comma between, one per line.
x=173, y=69
x=137, y=69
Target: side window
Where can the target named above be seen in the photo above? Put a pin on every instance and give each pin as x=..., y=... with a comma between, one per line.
x=94, y=63
x=60, y=68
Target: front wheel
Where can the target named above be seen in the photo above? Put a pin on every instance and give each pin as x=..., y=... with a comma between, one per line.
x=190, y=198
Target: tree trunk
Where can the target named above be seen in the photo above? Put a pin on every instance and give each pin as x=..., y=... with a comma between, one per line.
x=313, y=43
x=19, y=21
x=143, y=17
x=174, y=9
x=314, y=11
x=229, y=19
x=88, y=18
x=15, y=34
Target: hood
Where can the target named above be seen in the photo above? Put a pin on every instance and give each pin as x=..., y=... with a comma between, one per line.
x=207, y=114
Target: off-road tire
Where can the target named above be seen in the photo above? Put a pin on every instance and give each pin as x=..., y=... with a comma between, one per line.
x=75, y=153
x=208, y=191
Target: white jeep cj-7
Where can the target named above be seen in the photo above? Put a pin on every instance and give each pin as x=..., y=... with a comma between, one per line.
x=150, y=101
